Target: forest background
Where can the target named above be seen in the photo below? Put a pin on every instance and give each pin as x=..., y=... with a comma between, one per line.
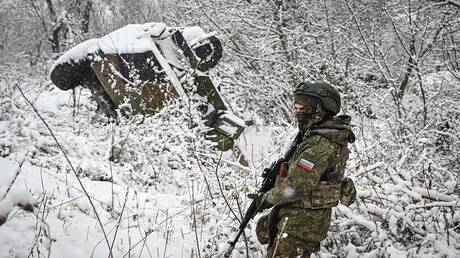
x=396, y=64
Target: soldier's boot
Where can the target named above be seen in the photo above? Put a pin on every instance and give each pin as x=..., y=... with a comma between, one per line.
x=292, y=247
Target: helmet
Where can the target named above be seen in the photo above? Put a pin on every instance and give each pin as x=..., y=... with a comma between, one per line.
x=324, y=91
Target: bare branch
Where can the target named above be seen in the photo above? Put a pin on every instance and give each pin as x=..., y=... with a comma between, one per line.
x=16, y=174
x=455, y=3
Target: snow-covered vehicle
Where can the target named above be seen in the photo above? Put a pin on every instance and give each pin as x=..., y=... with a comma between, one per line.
x=140, y=67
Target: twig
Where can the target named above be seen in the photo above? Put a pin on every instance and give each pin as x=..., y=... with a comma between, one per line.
x=129, y=239
x=75, y=188
x=397, y=32
x=42, y=219
x=150, y=232
x=192, y=196
x=155, y=174
x=195, y=150
x=111, y=171
x=446, y=223
x=236, y=164
x=361, y=33
x=244, y=234
x=236, y=47
x=144, y=244
x=166, y=242
x=366, y=172
x=18, y=171
x=37, y=235
x=62, y=203
x=455, y=3
x=120, y=218
x=71, y=166
x=280, y=236
x=372, y=56
x=127, y=217
x=43, y=226
x=222, y=191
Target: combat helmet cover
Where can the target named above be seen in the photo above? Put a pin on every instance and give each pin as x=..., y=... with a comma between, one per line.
x=324, y=91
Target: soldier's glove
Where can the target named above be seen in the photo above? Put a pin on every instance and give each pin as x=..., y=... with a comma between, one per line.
x=260, y=201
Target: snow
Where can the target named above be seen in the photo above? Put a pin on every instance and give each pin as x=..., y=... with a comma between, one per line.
x=192, y=33
x=132, y=38
x=79, y=52
x=199, y=37
x=231, y=117
x=165, y=65
x=163, y=187
x=171, y=52
x=228, y=128
x=135, y=38
x=358, y=219
x=6, y=206
x=156, y=172
x=20, y=196
x=71, y=227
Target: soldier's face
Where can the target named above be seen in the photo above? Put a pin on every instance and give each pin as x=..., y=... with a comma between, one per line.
x=301, y=109
x=308, y=110
x=304, y=112
x=298, y=108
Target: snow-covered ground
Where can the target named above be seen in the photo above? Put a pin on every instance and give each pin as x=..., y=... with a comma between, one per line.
x=158, y=203
x=160, y=190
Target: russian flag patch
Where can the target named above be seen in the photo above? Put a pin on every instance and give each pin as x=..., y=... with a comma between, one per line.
x=306, y=164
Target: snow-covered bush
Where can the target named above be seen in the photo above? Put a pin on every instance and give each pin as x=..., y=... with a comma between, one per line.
x=394, y=63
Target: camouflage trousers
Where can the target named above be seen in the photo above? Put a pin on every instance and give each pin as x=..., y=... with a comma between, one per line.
x=284, y=246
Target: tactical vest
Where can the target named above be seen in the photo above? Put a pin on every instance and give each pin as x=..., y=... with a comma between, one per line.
x=328, y=191
x=333, y=186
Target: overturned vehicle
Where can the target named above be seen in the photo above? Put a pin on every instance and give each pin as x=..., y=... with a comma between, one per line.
x=140, y=67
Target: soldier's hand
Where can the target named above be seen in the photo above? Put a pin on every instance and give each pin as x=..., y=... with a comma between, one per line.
x=260, y=201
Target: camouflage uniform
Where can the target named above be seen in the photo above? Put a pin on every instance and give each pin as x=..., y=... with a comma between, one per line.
x=303, y=199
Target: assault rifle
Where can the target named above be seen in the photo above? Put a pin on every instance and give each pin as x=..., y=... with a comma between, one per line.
x=269, y=178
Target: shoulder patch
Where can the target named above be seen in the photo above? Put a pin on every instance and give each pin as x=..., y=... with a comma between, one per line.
x=306, y=164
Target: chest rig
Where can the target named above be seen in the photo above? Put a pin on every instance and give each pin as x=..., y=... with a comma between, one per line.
x=333, y=186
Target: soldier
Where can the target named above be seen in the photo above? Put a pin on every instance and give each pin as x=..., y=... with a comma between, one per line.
x=315, y=179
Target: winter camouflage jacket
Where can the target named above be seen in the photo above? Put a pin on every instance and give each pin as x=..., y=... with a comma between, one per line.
x=313, y=183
